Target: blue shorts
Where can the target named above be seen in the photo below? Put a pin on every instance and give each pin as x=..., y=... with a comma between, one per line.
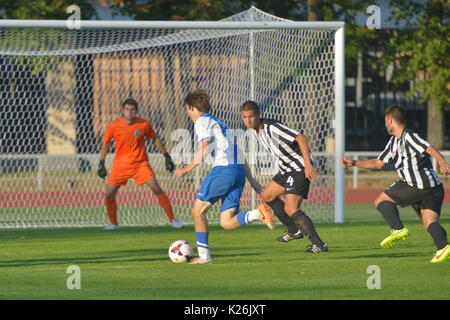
x=224, y=183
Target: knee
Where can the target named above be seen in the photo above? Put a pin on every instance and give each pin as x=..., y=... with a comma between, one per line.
x=267, y=197
x=157, y=191
x=195, y=213
x=290, y=209
x=427, y=222
x=110, y=196
x=228, y=220
x=381, y=198
x=226, y=224
x=377, y=202
x=200, y=209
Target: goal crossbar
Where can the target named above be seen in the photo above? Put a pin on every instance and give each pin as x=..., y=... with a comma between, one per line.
x=121, y=24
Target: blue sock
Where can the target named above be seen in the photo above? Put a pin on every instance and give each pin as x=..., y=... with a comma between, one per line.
x=242, y=218
x=202, y=244
x=247, y=217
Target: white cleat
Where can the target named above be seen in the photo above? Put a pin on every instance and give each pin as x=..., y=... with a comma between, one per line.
x=177, y=224
x=111, y=227
x=198, y=260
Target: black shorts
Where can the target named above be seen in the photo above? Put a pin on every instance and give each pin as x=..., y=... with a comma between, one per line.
x=405, y=195
x=294, y=183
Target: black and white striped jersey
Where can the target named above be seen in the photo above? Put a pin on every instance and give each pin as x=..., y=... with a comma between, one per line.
x=279, y=140
x=408, y=156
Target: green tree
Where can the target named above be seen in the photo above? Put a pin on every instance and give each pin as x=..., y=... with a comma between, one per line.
x=43, y=9
x=216, y=9
x=170, y=9
x=421, y=53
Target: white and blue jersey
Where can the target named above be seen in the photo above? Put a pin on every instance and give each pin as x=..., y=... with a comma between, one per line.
x=226, y=180
x=223, y=148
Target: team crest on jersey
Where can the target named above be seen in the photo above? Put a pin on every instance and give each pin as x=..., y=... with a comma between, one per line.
x=136, y=133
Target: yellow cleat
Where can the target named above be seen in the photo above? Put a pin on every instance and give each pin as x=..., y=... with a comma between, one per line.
x=394, y=237
x=441, y=255
x=266, y=217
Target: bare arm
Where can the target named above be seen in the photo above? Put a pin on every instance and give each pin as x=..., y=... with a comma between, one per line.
x=170, y=165
x=444, y=166
x=248, y=172
x=159, y=145
x=199, y=156
x=253, y=182
x=365, y=164
x=104, y=150
x=310, y=172
x=102, y=172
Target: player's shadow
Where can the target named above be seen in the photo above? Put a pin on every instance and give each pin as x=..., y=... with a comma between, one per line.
x=222, y=252
x=385, y=254
x=111, y=257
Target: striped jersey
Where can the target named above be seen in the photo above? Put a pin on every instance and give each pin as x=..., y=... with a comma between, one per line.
x=408, y=156
x=280, y=141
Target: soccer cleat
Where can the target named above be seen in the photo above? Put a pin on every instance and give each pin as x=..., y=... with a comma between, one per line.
x=395, y=235
x=441, y=255
x=286, y=236
x=198, y=260
x=316, y=249
x=265, y=216
x=177, y=224
x=111, y=227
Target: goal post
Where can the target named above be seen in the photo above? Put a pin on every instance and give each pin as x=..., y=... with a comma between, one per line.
x=61, y=87
x=339, y=65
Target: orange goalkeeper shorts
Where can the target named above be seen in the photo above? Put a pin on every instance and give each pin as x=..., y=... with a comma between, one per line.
x=120, y=174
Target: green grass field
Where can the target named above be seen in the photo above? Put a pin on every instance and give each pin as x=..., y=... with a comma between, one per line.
x=248, y=263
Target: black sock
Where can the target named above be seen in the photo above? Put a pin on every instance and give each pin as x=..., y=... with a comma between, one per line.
x=277, y=206
x=389, y=212
x=306, y=227
x=438, y=234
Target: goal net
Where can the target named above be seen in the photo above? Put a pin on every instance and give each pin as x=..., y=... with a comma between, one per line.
x=60, y=88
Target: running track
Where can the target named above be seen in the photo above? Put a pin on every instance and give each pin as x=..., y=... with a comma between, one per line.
x=11, y=199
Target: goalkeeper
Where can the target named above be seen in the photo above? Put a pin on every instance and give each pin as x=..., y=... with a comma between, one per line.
x=131, y=161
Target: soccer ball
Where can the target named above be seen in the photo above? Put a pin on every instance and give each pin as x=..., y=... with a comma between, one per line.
x=180, y=251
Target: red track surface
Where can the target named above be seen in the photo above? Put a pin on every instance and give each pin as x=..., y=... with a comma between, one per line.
x=145, y=197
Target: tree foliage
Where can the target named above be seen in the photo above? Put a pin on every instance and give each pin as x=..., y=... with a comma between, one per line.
x=171, y=9
x=421, y=52
x=43, y=9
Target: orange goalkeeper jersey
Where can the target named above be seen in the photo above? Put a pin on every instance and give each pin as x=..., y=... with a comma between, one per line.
x=129, y=140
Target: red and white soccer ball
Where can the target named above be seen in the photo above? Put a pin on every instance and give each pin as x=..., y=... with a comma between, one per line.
x=180, y=251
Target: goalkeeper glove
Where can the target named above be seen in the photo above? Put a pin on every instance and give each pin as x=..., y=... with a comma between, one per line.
x=102, y=169
x=170, y=166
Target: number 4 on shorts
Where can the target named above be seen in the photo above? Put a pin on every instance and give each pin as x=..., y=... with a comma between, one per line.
x=290, y=180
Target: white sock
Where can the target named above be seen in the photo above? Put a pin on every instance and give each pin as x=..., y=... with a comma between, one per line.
x=252, y=215
x=203, y=253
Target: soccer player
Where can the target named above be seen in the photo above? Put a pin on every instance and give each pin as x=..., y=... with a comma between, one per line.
x=418, y=185
x=225, y=181
x=131, y=161
x=296, y=171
